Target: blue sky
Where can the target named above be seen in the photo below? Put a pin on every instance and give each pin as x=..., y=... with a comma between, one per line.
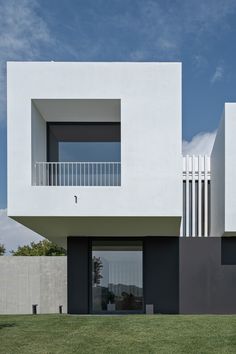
x=201, y=34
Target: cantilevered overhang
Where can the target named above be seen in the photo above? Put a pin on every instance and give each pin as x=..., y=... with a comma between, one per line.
x=58, y=228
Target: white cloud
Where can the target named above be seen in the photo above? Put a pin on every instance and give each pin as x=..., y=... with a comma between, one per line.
x=199, y=62
x=206, y=15
x=138, y=55
x=23, y=33
x=218, y=74
x=162, y=30
x=13, y=234
x=201, y=144
x=22, y=29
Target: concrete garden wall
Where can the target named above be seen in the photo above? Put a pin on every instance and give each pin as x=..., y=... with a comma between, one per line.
x=25, y=281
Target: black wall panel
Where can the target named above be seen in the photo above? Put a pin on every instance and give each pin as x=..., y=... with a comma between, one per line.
x=228, y=250
x=161, y=273
x=78, y=274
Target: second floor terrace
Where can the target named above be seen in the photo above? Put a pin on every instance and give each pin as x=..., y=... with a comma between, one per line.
x=78, y=153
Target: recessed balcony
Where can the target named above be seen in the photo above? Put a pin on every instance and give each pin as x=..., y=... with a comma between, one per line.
x=84, y=151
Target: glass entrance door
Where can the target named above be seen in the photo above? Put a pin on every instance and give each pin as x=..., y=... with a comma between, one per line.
x=117, y=276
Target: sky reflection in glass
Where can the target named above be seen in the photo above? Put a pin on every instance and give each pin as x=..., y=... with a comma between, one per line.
x=89, y=152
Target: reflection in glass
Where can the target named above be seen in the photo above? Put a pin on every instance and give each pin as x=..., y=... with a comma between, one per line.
x=89, y=151
x=117, y=282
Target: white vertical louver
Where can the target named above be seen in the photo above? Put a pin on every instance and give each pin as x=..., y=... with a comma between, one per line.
x=196, y=196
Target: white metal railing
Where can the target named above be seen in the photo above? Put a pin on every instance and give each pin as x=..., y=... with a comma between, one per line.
x=77, y=174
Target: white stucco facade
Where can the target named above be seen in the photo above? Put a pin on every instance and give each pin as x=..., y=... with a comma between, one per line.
x=155, y=193
x=145, y=98
x=223, y=214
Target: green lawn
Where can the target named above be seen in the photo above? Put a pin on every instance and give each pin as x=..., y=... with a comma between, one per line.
x=117, y=334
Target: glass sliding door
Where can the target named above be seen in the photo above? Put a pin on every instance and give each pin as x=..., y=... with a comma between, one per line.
x=117, y=276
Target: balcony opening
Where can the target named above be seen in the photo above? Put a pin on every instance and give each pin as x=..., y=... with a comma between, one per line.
x=81, y=152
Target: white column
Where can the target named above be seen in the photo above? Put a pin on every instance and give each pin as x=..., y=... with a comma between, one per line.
x=205, y=197
x=193, y=197
x=187, y=196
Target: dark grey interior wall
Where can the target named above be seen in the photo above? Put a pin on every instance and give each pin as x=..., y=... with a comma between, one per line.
x=78, y=274
x=161, y=273
x=206, y=284
x=52, y=147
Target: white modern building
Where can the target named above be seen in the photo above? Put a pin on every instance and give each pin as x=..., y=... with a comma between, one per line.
x=95, y=165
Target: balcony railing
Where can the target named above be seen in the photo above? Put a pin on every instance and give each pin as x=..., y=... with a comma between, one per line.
x=77, y=174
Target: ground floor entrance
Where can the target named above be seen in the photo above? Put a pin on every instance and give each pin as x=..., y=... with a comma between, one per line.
x=116, y=276
x=123, y=275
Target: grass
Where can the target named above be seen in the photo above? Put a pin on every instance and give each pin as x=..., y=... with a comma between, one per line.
x=117, y=334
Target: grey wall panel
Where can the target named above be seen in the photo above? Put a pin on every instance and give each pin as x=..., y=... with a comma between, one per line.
x=53, y=284
x=161, y=273
x=206, y=285
x=25, y=281
x=78, y=274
